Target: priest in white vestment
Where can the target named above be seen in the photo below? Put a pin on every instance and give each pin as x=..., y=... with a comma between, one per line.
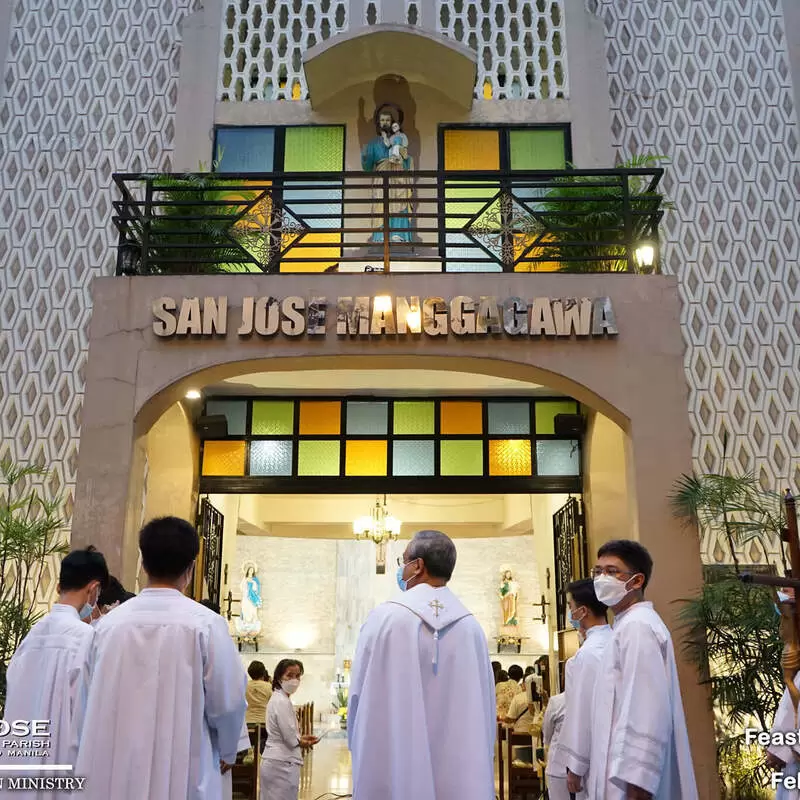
x=422, y=714
x=588, y=616
x=167, y=695
x=640, y=746
x=46, y=677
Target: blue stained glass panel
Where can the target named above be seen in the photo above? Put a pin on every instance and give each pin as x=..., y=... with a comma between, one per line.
x=271, y=458
x=245, y=149
x=558, y=457
x=235, y=411
x=413, y=457
x=510, y=419
x=368, y=418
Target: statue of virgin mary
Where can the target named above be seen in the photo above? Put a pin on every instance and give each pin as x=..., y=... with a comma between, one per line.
x=249, y=622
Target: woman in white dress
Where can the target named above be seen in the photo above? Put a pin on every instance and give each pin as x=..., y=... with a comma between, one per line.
x=283, y=755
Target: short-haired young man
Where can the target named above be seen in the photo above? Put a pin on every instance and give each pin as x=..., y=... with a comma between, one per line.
x=640, y=747
x=46, y=676
x=421, y=721
x=571, y=752
x=167, y=694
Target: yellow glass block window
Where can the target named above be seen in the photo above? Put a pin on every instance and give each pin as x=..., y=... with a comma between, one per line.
x=510, y=457
x=224, y=459
x=366, y=457
x=459, y=417
x=320, y=418
x=472, y=149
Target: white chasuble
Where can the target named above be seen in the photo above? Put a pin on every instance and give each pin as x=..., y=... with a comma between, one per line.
x=166, y=702
x=574, y=741
x=422, y=715
x=47, y=680
x=638, y=726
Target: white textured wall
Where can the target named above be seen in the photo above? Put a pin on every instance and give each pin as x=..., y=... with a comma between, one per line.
x=707, y=83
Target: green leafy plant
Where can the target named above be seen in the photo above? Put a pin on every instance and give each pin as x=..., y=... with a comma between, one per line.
x=31, y=530
x=339, y=703
x=589, y=211
x=731, y=628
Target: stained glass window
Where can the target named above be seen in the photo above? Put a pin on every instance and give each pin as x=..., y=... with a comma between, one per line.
x=538, y=148
x=368, y=418
x=273, y=417
x=547, y=411
x=234, y=411
x=365, y=458
x=510, y=419
x=558, y=457
x=320, y=417
x=462, y=457
x=459, y=417
x=272, y=457
x=414, y=418
x=510, y=457
x=318, y=458
x=413, y=457
x=224, y=459
x=245, y=149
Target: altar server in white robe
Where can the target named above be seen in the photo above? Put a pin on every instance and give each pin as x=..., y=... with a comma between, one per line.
x=588, y=616
x=552, y=726
x=422, y=715
x=47, y=678
x=785, y=759
x=640, y=747
x=167, y=694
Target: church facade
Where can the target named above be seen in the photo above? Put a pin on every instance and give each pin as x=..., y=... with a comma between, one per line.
x=376, y=183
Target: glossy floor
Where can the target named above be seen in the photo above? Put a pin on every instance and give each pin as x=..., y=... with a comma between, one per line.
x=326, y=772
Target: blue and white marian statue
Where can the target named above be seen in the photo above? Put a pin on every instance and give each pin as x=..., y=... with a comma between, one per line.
x=249, y=622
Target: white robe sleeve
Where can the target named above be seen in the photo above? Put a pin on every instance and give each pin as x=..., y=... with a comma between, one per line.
x=784, y=722
x=642, y=734
x=79, y=678
x=358, y=673
x=575, y=741
x=548, y=726
x=225, y=682
x=287, y=724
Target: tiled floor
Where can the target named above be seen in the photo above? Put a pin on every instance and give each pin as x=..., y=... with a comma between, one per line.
x=326, y=772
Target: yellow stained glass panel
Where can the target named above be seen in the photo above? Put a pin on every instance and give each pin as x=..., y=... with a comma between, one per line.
x=320, y=417
x=366, y=457
x=510, y=457
x=472, y=149
x=224, y=458
x=460, y=417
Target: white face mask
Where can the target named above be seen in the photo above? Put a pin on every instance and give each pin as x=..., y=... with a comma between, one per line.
x=610, y=591
x=290, y=686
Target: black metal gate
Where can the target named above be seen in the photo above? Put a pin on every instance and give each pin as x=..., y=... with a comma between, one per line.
x=209, y=525
x=571, y=552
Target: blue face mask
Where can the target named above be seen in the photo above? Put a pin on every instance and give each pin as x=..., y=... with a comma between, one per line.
x=403, y=584
x=576, y=623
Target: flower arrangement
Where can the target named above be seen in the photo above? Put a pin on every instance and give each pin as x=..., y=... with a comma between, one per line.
x=339, y=705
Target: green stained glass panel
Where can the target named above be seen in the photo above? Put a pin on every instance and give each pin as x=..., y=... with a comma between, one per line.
x=414, y=418
x=318, y=458
x=462, y=457
x=314, y=148
x=546, y=414
x=538, y=149
x=273, y=417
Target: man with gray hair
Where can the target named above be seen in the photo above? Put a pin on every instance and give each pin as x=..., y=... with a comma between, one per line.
x=422, y=717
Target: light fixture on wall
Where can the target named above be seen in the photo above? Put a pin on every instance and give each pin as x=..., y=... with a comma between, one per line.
x=379, y=526
x=645, y=255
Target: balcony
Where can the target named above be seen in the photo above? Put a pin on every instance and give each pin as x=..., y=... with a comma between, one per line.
x=562, y=221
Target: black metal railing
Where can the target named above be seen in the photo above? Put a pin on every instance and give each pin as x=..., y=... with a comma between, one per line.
x=569, y=221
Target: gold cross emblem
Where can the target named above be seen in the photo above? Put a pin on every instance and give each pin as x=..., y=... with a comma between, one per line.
x=437, y=607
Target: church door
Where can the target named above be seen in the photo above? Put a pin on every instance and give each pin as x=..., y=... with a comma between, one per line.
x=209, y=525
x=571, y=552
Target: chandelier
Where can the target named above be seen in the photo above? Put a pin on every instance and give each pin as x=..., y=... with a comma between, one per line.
x=379, y=526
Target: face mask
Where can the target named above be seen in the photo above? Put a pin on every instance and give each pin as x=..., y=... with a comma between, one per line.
x=290, y=686
x=403, y=584
x=86, y=611
x=610, y=592
x=576, y=623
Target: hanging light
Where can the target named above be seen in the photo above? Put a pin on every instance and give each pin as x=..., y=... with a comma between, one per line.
x=379, y=526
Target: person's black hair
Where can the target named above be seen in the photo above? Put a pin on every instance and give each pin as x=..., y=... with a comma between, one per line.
x=496, y=667
x=502, y=676
x=169, y=545
x=210, y=605
x=516, y=673
x=280, y=670
x=114, y=592
x=582, y=592
x=530, y=671
x=81, y=567
x=257, y=671
x=436, y=550
x=632, y=554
